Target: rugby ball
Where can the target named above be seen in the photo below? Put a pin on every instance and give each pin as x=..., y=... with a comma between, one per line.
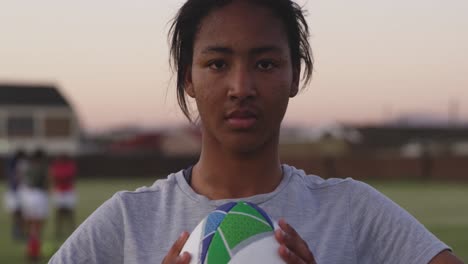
x=234, y=233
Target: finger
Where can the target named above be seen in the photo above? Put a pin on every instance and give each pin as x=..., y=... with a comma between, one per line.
x=172, y=255
x=184, y=258
x=289, y=257
x=287, y=227
x=291, y=239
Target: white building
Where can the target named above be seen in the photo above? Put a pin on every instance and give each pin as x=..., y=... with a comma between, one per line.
x=37, y=117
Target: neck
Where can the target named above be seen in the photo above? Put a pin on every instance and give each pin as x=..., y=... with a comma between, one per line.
x=222, y=174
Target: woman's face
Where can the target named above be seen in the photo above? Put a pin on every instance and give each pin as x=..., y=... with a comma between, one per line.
x=241, y=76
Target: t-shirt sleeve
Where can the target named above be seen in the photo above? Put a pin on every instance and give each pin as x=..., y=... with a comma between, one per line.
x=99, y=239
x=385, y=232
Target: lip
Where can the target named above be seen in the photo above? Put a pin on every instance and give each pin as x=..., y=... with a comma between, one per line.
x=241, y=119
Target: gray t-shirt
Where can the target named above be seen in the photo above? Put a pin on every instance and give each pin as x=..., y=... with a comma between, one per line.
x=342, y=220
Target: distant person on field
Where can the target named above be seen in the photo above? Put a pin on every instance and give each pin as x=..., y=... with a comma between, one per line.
x=62, y=171
x=241, y=62
x=34, y=193
x=14, y=170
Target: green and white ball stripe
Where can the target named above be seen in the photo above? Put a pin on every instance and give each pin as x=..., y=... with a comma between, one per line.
x=237, y=232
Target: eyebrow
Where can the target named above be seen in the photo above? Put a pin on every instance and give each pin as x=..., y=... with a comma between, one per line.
x=265, y=49
x=217, y=49
x=254, y=51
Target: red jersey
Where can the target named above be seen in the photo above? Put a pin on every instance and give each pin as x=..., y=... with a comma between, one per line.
x=63, y=175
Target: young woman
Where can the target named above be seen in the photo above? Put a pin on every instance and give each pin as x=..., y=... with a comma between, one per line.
x=15, y=173
x=34, y=193
x=62, y=173
x=241, y=61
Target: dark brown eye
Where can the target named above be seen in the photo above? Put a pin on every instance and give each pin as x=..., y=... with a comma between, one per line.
x=265, y=65
x=217, y=65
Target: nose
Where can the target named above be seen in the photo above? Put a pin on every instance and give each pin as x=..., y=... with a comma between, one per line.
x=241, y=83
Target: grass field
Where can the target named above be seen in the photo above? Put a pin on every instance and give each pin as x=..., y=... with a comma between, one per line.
x=441, y=207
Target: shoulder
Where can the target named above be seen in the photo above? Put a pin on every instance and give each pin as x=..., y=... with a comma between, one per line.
x=101, y=238
x=314, y=182
x=346, y=192
x=160, y=190
x=379, y=228
x=158, y=186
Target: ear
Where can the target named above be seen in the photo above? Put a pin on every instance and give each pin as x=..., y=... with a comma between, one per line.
x=295, y=81
x=188, y=84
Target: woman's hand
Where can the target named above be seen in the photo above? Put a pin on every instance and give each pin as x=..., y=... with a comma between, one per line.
x=173, y=257
x=293, y=249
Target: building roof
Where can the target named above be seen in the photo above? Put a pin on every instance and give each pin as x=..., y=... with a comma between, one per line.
x=31, y=95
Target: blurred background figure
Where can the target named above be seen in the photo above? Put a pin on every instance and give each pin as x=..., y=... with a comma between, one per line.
x=62, y=173
x=14, y=168
x=34, y=201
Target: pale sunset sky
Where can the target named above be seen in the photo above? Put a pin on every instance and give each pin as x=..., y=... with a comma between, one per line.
x=374, y=60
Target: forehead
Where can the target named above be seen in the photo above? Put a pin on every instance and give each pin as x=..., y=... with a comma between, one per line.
x=241, y=25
